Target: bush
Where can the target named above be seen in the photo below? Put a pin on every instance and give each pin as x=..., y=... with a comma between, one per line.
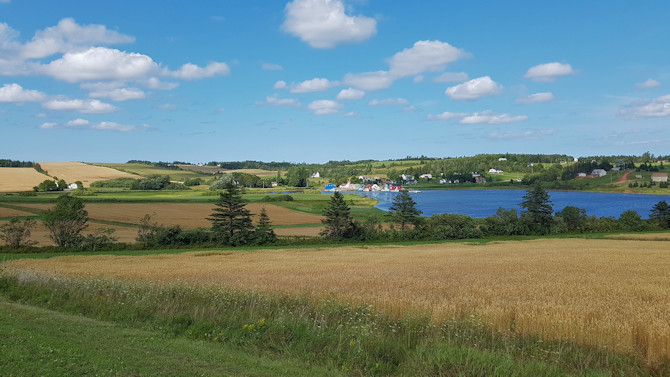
x=277, y=198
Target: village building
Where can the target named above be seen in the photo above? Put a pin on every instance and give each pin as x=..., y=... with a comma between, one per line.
x=659, y=177
x=598, y=173
x=495, y=171
x=426, y=176
x=316, y=175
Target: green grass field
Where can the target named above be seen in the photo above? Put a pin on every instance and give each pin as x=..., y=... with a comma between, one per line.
x=146, y=170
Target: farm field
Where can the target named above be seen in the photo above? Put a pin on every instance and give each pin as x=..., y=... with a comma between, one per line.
x=146, y=170
x=20, y=179
x=214, y=170
x=77, y=171
x=607, y=293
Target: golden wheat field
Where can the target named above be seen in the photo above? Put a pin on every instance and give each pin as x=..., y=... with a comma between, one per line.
x=77, y=171
x=613, y=293
x=20, y=179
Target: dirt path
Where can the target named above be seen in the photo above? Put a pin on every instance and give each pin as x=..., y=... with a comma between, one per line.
x=624, y=177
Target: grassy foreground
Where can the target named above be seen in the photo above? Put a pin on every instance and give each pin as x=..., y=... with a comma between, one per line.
x=186, y=330
x=41, y=342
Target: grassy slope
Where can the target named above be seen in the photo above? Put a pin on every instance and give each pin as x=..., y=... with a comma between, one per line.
x=41, y=342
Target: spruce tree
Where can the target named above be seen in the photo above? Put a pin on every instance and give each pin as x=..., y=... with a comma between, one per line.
x=661, y=214
x=403, y=210
x=338, y=221
x=264, y=234
x=231, y=221
x=539, y=209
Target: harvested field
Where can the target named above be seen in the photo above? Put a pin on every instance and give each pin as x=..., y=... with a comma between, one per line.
x=77, y=171
x=40, y=234
x=610, y=293
x=10, y=212
x=20, y=179
x=643, y=236
x=186, y=215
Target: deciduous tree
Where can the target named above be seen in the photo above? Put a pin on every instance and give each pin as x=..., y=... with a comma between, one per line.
x=16, y=233
x=66, y=221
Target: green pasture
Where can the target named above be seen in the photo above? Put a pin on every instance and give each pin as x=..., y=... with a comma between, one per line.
x=145, y=170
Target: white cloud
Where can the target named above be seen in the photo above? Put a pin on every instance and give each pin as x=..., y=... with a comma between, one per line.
x=447, y=115
x=276, y=101
x=83, y=106
x=324, y=107
x=655, y=108
x=156, y=84
x=350, y=94
x=489, y=117
x=474, y=89
x=85, y=124
x=369, y=81
x=418, y=79
x=424, y=56
x=192, y=72
x=650, y=83
x=548, y=72
x=535, y=98
x=100, y=63
x=451, y=77
x=116, y=94
x=389, y=102
x=525, y=135
x=271, y=67
x=324, y=23
x=67, y=36
x=280, y=84
x=313, y=85
x=16, y=93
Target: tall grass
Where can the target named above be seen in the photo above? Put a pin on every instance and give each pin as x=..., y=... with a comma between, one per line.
x=357, y=339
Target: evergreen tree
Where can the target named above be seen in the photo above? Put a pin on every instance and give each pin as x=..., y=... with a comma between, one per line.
x=66, y=221
x=264, y=234
x=539, y=208
x=338, y=221
x=231, y=221
x=661, y=214
x=403, y=210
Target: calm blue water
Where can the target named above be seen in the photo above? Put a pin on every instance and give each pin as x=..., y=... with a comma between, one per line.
x=484, y=203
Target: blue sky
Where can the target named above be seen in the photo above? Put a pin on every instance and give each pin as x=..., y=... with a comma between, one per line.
x=319, y=80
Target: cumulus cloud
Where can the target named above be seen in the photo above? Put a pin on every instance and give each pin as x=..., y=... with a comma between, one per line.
x=474, y=89
x=100, y=63
x=451, y=77
x=156, y=84
x=276, y=101
x=113, y=90
x=655, y=108
x=489, y=117
x=369, y=81
x=548, y=72
x=447, y=115
x=535, y=98
x=280, y=84
x=85, y=124
x=424, y=56
x=324, y=107
x=313, y=85
x=83, y=106
x=325, y=24
x=192, y=72
x=350, y=94
x=650, y=83
x=389, y=102
x=67, y=36
x=16, y=93
x=271, y=67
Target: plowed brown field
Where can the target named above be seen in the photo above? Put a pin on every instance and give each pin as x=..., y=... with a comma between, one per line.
x=10, y=212
x=594, y=292
x=77, y=171
x=186, y=215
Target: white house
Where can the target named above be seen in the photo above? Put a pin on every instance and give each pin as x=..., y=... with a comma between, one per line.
x=316, y=175
x=365, y=178
x=659, y=177
x=426, y=176
x=581, y=175
x=502, y=159
x=598, y=173
x=495, y=171
x=407, y=177
x=73, y=186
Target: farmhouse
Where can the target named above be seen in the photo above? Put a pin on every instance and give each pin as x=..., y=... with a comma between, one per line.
x=72, y=186
x=495, y=171
x=598, y=173
x=316, y=175
x=502, y=159
x=426, y=176
x=581, y=175
x=659, y=177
